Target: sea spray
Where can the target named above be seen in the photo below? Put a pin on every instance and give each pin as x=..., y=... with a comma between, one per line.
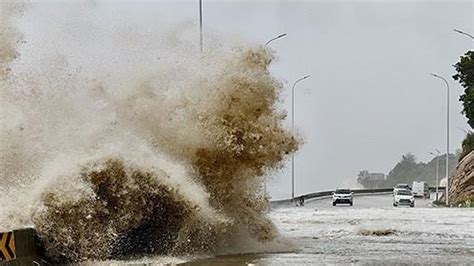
x=10, y=37
x=115, y=209
x=168, y=159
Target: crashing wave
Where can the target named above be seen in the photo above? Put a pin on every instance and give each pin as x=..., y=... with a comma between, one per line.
x=151, y=165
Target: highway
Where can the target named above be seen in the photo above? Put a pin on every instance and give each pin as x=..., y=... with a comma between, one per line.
x=319, y=233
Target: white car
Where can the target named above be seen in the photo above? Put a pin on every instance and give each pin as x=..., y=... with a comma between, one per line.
x=403, y=197
x=342, y=196
x=401, y=187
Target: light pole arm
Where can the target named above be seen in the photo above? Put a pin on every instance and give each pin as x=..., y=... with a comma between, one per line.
x=442, y=78
x=277, y=37
x=464, y=33
x=293, y=101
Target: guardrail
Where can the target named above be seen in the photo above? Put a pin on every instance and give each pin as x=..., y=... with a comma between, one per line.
x=324, y=194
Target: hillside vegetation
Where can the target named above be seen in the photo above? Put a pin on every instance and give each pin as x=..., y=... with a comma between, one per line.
x=408, y=169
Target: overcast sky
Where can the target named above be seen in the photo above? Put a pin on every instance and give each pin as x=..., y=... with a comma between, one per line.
x=370, y=97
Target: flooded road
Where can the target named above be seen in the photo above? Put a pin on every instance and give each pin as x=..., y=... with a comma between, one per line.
x=324, y=234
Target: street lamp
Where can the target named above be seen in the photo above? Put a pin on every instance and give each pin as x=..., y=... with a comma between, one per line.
x=293, y=131
x=437, y=170
x=463, y=33
x=200, y=24
x=447, y=134
x=266, y=44
x=276, y=38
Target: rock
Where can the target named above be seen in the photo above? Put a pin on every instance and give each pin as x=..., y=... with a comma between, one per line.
x=383, y=232
x=461, y=183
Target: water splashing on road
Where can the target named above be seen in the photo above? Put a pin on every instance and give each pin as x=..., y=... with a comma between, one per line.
x=116, y=157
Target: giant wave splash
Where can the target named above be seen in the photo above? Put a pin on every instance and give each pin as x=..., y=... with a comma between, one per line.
x=167, y=159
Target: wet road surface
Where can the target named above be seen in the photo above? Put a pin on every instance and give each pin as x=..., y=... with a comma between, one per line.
x=323, y=234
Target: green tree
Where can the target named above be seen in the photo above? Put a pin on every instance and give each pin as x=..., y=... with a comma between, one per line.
x=467, y=145
x=404, y=171
x=408, y=169
x=465, y=77
x=362, y=178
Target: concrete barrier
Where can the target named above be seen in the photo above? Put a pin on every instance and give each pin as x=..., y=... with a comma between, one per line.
x=328, y=193
x=21, y=247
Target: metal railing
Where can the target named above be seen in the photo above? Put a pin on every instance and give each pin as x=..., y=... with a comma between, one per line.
x=328, y=193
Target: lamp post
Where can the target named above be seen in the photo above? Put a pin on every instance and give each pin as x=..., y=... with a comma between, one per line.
x=293, y=131
x=437, y=170
x=200, y=24
x=266, y=44
x=447, y=135
x=275, y=38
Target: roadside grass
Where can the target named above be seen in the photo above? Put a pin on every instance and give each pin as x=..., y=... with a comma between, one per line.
x=470, y=202
x=467, y=204
x=439, y=203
